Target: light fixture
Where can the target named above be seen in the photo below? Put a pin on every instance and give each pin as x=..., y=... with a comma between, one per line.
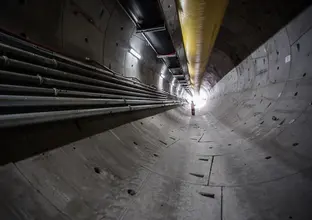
x=160, y=83
x=171, y=88
x=134, y=53
x=163, y=71
x=179, y=87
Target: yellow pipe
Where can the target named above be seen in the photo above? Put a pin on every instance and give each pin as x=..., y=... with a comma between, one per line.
x=200, y=23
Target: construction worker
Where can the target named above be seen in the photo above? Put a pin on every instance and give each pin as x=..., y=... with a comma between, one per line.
x=193, y=108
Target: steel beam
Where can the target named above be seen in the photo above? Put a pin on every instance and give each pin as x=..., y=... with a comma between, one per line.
x=152, y=29
x=178, y=75
x=166, y=55
x=175, y=68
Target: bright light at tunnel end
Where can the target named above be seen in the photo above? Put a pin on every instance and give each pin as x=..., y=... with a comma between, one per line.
x=198, y=99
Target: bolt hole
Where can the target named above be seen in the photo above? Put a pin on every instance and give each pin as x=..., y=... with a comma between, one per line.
x=304, y=74
x=117, y=44
x=86, y=40
x=229, y=144
x=277, y=68
x=296, y=93
x=131, y=192
x=274, y=118
x=295, y=144
x=74, y=148
x=268, y=157
x=210, y=195
x=203, y=159
x=290, y=217
x=97, y=170
x=282, y=122
x=121, y=28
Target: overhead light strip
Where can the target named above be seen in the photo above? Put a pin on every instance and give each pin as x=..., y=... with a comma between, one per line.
x=134, y=53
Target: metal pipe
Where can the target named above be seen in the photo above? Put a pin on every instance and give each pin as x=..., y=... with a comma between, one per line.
x=15, y=101
x=63, y=92
x=58, y=64
x=52, y=55
x=58, y=78
x=200, y=22
x=56, y=73
x=11, y=120
x=39, y=80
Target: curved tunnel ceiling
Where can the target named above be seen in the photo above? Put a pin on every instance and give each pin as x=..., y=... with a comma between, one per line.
x=245, y=155
x=248, y=24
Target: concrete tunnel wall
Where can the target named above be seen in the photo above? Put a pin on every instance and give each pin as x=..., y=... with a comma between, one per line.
x=99, y=30
x=250, y=148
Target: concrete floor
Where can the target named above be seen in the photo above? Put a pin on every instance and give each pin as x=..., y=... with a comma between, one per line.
x=245, y=156
x=157, y=168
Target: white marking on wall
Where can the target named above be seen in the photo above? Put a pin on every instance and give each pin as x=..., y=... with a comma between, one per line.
x=287, y=59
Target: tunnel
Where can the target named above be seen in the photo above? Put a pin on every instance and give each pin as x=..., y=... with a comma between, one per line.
x=96, y=123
